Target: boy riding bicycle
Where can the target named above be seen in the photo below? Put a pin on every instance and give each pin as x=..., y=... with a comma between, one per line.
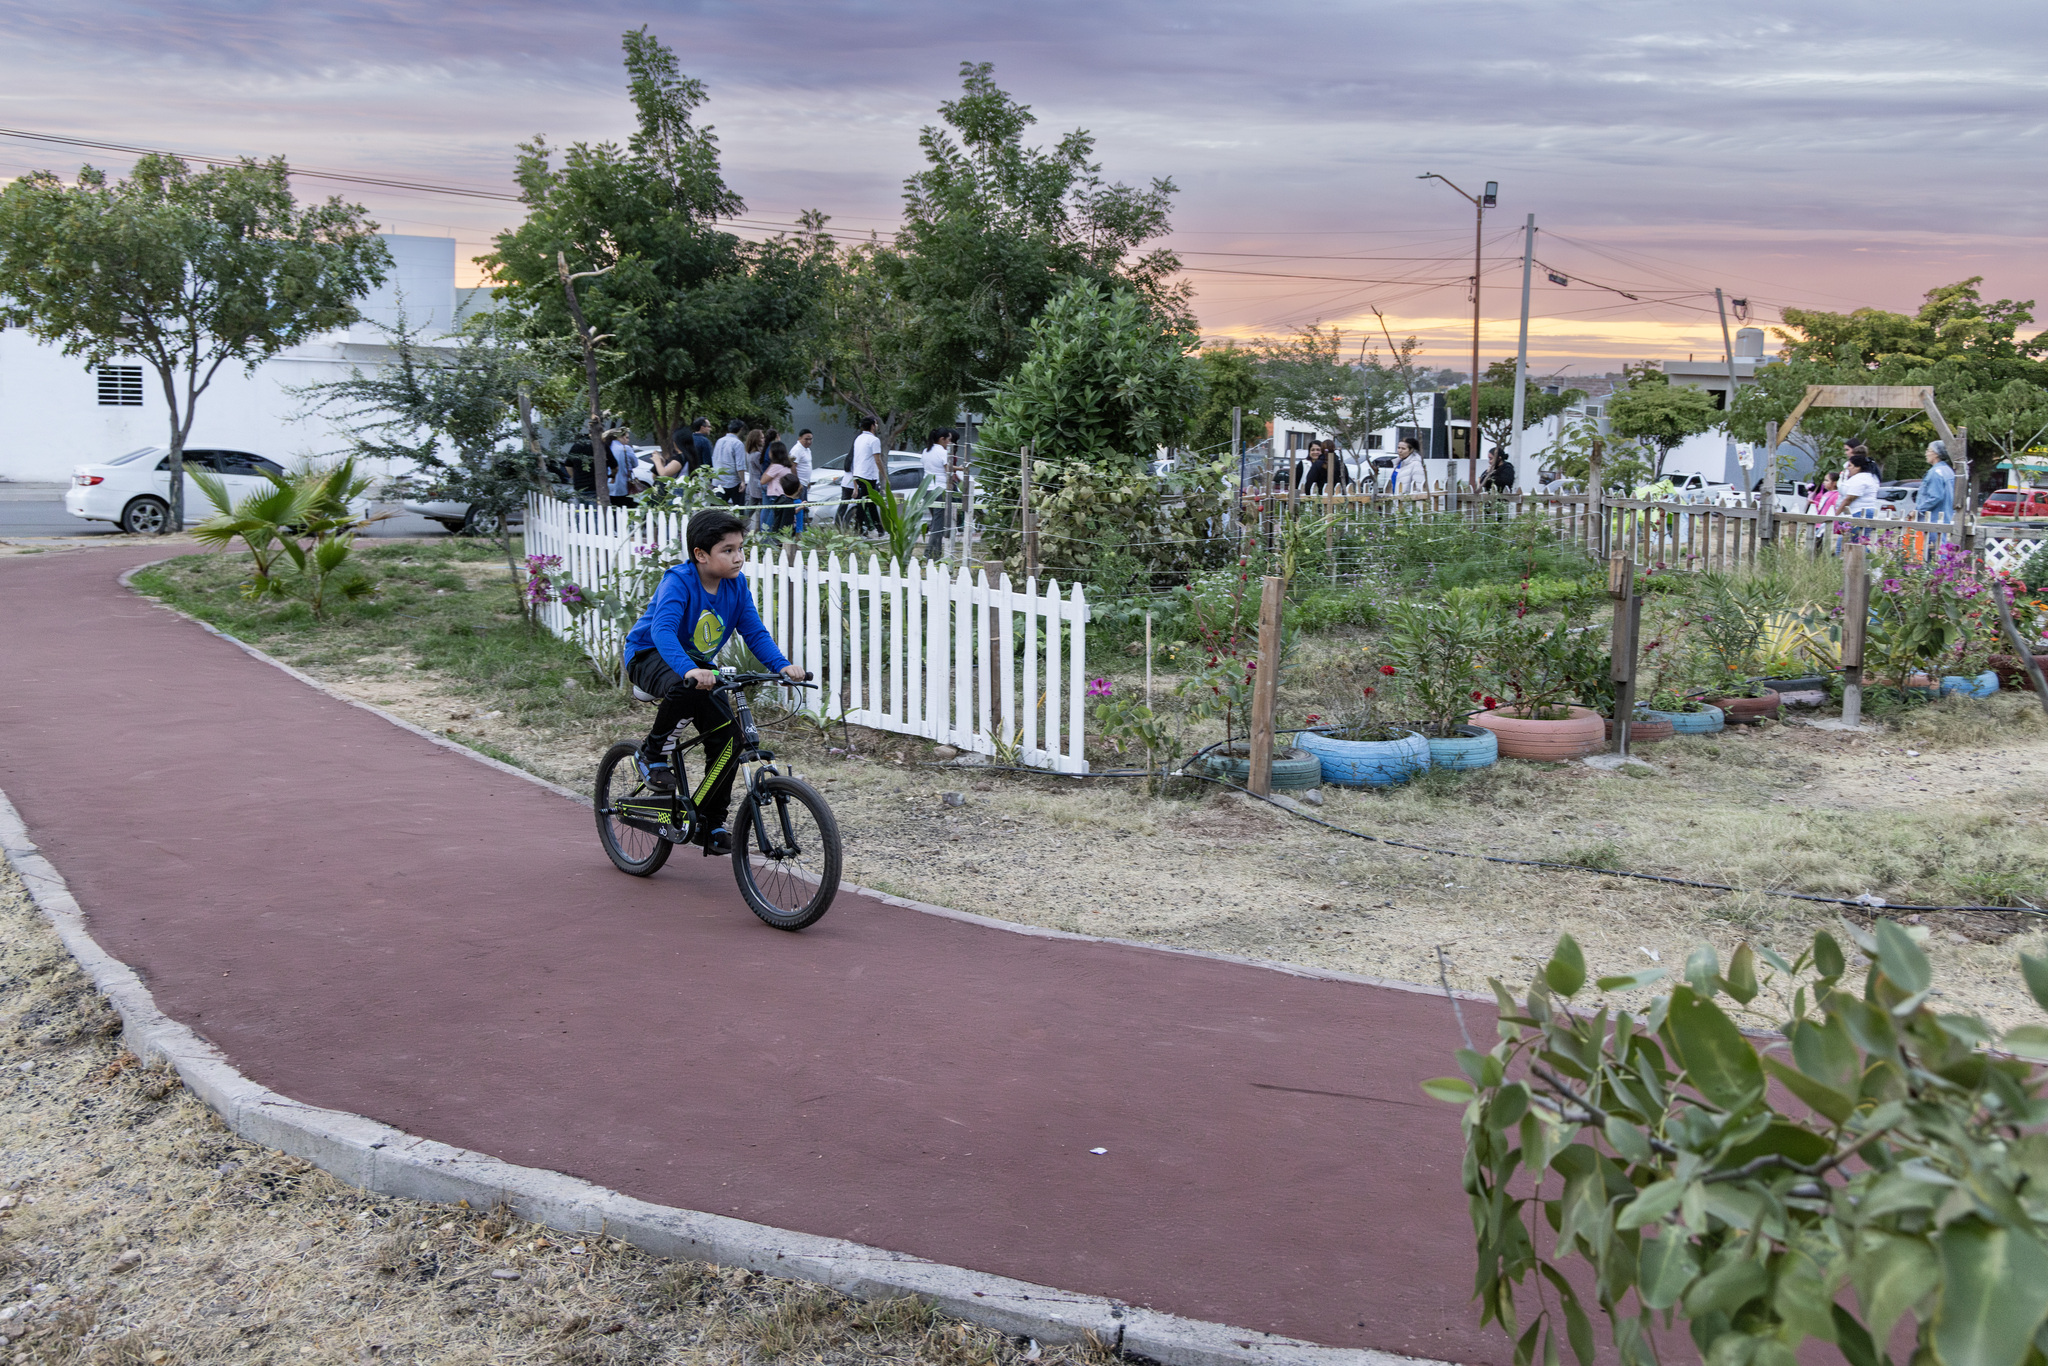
x=671, y=652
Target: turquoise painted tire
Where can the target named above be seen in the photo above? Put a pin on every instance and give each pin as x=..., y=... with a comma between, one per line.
x=1471, y=747
x=1705, y=721
x=1293, y=770
x=1367, y=763
x=1983, y=685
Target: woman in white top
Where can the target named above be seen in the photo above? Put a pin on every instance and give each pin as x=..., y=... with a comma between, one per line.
x=1409, y=475
x=1859, y=487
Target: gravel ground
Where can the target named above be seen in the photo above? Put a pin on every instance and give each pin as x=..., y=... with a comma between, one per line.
x=135, y=1230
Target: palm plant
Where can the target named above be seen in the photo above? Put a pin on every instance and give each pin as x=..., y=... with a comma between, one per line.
x=308, y=518
x=901, y=520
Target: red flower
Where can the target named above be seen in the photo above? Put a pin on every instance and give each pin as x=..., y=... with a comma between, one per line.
x=1370, y=691
x=1387, y=669
x=1313, y=718
x=1489, y=702
x=1475, y=694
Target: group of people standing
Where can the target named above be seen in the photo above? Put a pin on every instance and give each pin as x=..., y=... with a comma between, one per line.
x=1325, y=466
x=750, y=467
x=1853, y=492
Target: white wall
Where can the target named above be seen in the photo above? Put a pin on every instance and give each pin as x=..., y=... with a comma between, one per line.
x=51, y=419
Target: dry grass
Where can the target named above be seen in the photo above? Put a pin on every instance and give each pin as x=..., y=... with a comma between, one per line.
x=135, y=1230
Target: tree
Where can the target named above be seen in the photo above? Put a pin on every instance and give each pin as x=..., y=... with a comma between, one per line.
x=1660, y=416
x=2008, y=421
x=993, y=230
x=188, y=271
x=1497, y=403
x=865, y=355
x=458, y=414
x=1230, y=380
x=692, y=317
x=1105, y=383
x=1312, y=382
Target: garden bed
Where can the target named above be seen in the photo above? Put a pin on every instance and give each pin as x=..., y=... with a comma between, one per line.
x=1777, y=805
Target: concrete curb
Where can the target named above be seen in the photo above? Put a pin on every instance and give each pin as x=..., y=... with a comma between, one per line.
x=377, y=1157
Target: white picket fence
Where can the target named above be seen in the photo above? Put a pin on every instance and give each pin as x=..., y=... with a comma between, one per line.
x=917, y=649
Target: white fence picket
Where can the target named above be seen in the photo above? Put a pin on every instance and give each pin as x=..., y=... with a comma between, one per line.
x=919, y=650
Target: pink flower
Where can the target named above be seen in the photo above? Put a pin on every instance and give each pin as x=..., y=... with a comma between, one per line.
x=1099, y=687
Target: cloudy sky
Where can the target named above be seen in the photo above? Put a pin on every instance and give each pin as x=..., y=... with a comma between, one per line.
x=1814, y=153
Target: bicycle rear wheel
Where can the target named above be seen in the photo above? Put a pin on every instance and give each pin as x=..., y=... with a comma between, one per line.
x=631, y=850
x=785, y=852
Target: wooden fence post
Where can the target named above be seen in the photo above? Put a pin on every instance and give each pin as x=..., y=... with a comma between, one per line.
x=1265, y=685
x=1596, y=515
x=1628, y=616
x=1855, y=618
x=1028, y=516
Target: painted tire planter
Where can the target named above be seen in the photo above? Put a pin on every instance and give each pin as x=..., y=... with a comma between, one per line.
x=1582, y=732
x=1743, y=711
x=1471, y=747
x=1367, y=763
x=1643, y=730
x=1980, y=685
x=1705, y=721
x=1294, y=770
x=1804, y=683
x=2010, y=674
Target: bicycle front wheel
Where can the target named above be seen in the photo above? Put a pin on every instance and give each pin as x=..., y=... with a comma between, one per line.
x=619, y=788
x=785, y=852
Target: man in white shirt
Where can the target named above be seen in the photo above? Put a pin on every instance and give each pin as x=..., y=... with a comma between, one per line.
x=938, y=465
x=800, y=458
x=729, y=462
x=867, y=472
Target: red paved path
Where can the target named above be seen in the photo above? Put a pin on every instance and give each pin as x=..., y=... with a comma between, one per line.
x=366, y=921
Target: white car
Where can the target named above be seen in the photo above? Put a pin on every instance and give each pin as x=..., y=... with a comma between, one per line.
x=133, y=491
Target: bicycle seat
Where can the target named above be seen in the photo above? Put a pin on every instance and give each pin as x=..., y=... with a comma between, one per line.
x=639, y=695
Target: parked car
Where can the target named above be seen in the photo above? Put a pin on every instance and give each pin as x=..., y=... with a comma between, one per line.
x=2016, y=504
x=133, y=490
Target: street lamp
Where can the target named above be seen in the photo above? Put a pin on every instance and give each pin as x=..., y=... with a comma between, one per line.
x=1481, y=202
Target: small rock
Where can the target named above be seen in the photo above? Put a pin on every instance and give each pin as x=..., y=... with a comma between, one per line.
x=1311, y=797
x=25, y=1067
x=228, y=1168
x=945, y=752
x=127, y=1261
x=492, y=715
x=504, y=1273
x=1955, y=938
x=9, y=1201
x=954, y=798
x=971, y=760
x=570, y=684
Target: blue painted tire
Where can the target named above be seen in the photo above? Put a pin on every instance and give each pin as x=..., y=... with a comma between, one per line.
x=1293, y=771
x=1705, y=721
x=1983, y=685
x=1367, y=763
x=1471, y=747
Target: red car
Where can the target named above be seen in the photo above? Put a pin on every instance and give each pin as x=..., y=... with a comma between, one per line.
x=2016, y=504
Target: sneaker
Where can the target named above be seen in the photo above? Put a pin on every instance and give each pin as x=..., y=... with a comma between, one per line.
x=716, y=841
x=656, y=773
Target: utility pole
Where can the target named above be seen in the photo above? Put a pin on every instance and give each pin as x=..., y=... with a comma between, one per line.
x=1728, y=349
x=1480, y=204
x=1522, y=345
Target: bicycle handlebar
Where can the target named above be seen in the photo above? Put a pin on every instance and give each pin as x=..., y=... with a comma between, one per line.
x=730, y=679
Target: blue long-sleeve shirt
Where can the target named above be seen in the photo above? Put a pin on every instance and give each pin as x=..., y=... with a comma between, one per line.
x=690, y=626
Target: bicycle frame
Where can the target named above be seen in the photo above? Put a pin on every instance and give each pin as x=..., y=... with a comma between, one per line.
x=673, y=815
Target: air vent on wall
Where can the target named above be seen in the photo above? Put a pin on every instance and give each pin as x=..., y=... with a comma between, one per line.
x=120, y=386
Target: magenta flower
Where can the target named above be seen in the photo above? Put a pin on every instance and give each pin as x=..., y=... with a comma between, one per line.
x=1099, y=687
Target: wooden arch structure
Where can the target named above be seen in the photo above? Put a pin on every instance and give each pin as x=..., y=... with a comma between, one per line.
x=1919, y=396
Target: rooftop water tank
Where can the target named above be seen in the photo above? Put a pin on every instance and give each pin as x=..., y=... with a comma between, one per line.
x=1749, y=341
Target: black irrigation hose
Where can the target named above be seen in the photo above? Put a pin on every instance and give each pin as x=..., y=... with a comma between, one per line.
x=1502, y=858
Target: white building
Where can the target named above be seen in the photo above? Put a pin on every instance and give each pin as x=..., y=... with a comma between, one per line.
x=56, y=412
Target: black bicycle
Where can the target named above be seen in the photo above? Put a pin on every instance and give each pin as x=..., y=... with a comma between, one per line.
x=785, y=841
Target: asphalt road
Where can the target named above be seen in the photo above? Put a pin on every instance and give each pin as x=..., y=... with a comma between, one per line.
x=32, y=511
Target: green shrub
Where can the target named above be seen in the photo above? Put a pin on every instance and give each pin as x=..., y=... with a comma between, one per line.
x=1873, y=1142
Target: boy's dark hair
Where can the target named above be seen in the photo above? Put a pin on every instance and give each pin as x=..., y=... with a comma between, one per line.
x=867, y=424
x=804, y=433
x=708, y=528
